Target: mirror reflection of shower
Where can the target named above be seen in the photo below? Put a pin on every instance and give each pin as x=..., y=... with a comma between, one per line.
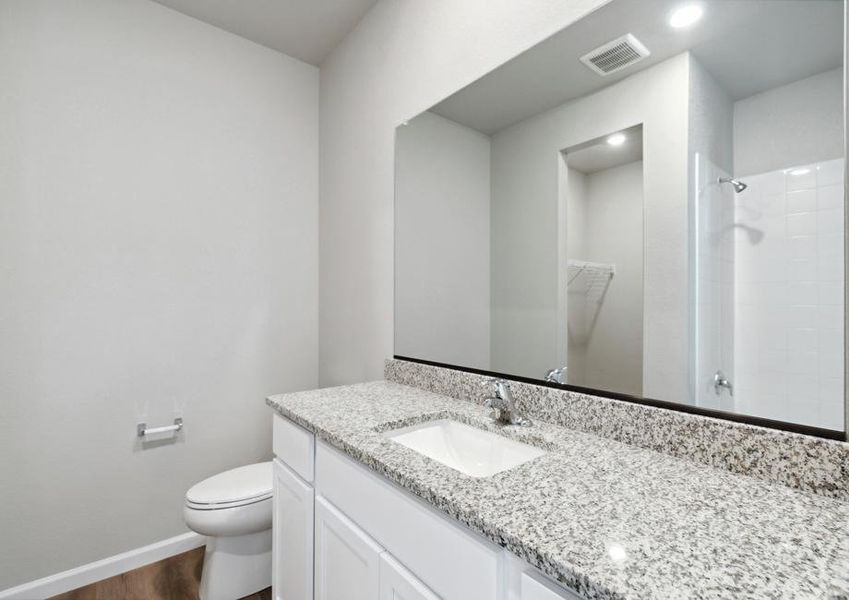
x=769, y=310
x=754, y=235
x=738, y=185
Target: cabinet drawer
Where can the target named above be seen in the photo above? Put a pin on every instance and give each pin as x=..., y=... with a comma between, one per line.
x=449, y=559
x=294, y=446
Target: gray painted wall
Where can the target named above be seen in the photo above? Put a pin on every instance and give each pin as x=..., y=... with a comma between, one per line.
x=158, y=251
x=403, y=57
x=442, y=242
x=526, y=200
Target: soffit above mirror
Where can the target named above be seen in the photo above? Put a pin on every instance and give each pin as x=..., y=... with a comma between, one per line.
x=551, y=73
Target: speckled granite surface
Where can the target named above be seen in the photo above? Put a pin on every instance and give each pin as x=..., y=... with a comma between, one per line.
x=607, y=519
x=802, y=462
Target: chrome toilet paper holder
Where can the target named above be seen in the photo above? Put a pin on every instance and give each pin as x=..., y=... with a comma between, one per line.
x=142, y=429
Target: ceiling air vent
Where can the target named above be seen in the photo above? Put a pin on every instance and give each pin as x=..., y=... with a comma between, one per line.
x=616, y=55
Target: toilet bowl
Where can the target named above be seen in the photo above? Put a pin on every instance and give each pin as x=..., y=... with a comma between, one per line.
x=233, y=509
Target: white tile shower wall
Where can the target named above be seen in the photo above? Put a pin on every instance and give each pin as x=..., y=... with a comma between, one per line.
x=789, y=295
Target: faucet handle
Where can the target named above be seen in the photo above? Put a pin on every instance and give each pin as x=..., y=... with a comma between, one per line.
x=556, y=375
x=502, y=403
x=495, y=399
x=721, y=381
x=500, y=386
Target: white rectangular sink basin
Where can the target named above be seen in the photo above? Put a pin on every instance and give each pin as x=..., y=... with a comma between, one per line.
x=472, y=451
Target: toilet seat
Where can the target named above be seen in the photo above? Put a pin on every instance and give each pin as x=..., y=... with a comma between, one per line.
x=232, y=521
x=232, y=503
x=237, y=487
x=223, y=505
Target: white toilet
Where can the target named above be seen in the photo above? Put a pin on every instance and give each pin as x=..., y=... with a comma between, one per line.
x=233, y=509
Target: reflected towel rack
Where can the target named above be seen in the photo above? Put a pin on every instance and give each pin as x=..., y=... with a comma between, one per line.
x=595, y=272
x=142, y=429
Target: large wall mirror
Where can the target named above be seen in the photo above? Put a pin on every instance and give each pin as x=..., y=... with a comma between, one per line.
x=649, y=205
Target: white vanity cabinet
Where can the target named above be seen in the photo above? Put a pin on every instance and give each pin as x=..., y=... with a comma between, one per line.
x=397, y=583
x=343, y=532
x=350, y=565
x=292, y=544
x=347, y=560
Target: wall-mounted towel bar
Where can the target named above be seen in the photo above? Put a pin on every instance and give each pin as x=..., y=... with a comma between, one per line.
x=142, y=429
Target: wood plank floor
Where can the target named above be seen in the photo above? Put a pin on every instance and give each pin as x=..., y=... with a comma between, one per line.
x=175, y=578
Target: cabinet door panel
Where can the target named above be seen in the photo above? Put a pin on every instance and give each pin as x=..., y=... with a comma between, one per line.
x=347, y=560
x=293, y=536
x=397, y=583
x=452, y=561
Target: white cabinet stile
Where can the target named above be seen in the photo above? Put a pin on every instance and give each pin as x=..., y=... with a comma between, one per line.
x=293, y=536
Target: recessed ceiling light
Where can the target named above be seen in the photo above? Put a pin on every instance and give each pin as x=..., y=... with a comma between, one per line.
x=617, y=139
x=685, y=16
x=798, y=172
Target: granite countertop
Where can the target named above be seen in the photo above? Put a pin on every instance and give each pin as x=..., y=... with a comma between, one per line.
x=604, y=518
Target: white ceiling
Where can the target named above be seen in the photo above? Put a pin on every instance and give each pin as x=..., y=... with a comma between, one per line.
x=747, y=45
x=305, y=29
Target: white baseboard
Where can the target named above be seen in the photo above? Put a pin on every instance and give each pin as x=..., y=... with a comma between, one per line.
x=103, y=569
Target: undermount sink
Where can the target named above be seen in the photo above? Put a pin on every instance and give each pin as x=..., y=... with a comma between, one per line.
x=472, y=451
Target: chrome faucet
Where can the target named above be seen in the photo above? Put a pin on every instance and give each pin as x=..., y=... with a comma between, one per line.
x=556, y=375
x=502, y=404
x=719, y=382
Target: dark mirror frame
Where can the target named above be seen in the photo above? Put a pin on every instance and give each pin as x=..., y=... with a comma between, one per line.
x=830, y=434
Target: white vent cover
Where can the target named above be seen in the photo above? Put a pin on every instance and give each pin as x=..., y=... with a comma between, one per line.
x=616, y=55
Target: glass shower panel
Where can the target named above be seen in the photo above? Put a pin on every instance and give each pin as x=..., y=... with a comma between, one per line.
x=713, y=350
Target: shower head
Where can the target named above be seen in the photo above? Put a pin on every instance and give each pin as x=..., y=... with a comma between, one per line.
x=739, y=186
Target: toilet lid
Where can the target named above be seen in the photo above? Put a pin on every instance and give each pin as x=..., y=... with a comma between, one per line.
x=242, y=484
